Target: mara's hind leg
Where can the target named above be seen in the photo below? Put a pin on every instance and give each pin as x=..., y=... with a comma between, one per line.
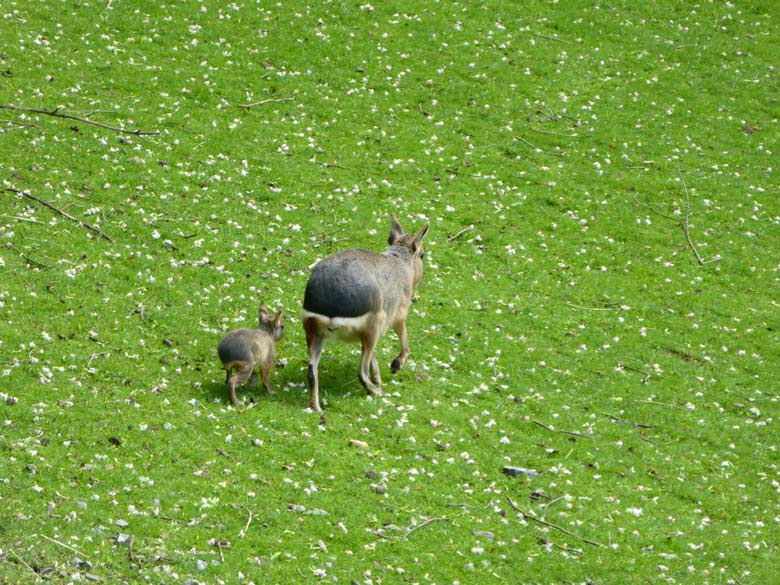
x=266, y=373
x=400, y=329
x=314, y=341
x=367, y=358
x=237, y=379
x=376, y=378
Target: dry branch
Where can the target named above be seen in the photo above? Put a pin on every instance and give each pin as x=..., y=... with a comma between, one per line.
x=574, y=306
x=552, y=430
x=243, y=532
x=646, y=375
x=683, y=223
x=26, y=257
x=528, y=142
x=424, y=524
x=63, y=545
x=460, y=233
x=685, y=226
x=263, y=102
x=21, y=560
x=627, y=422
x=551, y=525
x=64, y=214
x=57, y=114
x=552, y=38
x=564, y=134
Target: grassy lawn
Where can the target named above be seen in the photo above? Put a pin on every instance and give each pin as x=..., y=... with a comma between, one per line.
x=600, y=304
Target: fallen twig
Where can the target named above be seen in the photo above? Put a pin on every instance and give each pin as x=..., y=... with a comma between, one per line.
x=551, y=525
x=27, y=219
x=56, y=113
x=564, y=134
x=460, y=233
x=409, y=531
x=26, y=257
x=685, y=225
x=263, y=102
x=130, y=553
x=653, y=209
x=528, y=142
x=551, y=38
x=627, y=422
x=21, y=124
x=21, y=560
x=64, y=214
x=576, y=551
x=552, y=430
x=63, y=545
x=593, y=308
x=645, y=375
x=242, y=533
x=97, y=355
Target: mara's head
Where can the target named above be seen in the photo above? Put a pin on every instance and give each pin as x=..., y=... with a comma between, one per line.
x=398, y=237
x=272, y=323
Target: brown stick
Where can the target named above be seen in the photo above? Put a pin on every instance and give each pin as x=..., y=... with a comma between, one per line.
x=551, y=525
x=57, y=114
x=21, y=560
x=551, y=38
x=428, y=521
x=45, y=203
x=555, y=133
x=263, y=102
x=685, y=225
x=552, y=430
x=23, y=255
x=528, y=142
x=628, y=422
x=460, y=233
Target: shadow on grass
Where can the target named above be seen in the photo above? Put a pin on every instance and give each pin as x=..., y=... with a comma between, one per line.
x=338, y=380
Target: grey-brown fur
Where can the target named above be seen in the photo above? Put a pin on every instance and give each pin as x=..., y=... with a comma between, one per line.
x=243, y=350
x=357, y=295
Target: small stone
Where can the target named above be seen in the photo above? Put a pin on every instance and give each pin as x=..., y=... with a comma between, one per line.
x=371, y=474
x=518, y=471
x=379, y=488
x=358, y=444
x=202, y=565
x=122, y=523
x=487, y=535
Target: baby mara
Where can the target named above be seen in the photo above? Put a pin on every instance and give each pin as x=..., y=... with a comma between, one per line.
x=243, y=350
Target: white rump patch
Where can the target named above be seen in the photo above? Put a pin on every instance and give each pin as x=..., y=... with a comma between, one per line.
x=341, y=328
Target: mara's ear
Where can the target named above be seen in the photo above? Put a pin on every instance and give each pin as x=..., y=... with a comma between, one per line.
x=418, y=238
x=263, y=311
x=396, y=231
x=279, y=317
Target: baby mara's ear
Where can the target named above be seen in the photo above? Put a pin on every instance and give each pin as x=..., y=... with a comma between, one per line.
x=417, y=243
x=396, y=231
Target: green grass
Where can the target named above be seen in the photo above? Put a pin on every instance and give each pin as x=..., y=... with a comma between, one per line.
x=570, y=330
